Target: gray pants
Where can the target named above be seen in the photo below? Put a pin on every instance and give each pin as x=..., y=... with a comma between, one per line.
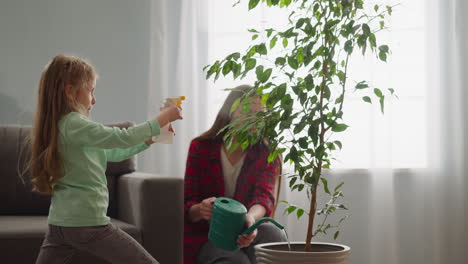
x=210, y=254
x=107, y=242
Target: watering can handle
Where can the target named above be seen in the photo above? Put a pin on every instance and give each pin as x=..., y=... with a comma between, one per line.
x=261, y=220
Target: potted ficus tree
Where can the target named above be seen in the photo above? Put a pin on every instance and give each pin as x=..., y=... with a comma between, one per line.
x=302, y=77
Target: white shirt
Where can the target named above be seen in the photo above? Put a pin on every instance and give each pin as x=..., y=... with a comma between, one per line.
x=231, y=173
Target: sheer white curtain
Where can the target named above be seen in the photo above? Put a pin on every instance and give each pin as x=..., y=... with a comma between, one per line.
x=178, y=53
x=404, y=172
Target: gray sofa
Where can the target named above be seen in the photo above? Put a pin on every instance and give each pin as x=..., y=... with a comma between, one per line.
x=146, y=206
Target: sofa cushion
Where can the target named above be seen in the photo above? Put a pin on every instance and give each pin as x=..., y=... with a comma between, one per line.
x=115, y=169
x=15, y=195
x=21, y=238
x=15, y=192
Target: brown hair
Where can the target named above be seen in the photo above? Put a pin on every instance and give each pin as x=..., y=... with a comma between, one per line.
x=53, y=103
x=224, y=117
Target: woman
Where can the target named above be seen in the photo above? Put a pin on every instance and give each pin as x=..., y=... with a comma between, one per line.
x=245, y=176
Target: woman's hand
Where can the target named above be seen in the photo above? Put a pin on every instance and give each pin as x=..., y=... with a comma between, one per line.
x=247, y=239
x=206, y=208
x=202, y=211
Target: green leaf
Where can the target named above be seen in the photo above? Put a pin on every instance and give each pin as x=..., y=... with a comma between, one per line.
x=284, y=3
x=348, y=47
x=378, y=92
x=235, y=105
x=291, y=209
x=367, y=99
x=273, y=42
x=281, y=90
x=362, y=85
x=272, y=156
x=227, y=68
x=338, y=187
x=376, y=8
x=251, y=51
x=383, y=56
x=339, y=128
x=303, y=143
x=338, y=143
x=300, y=56
x=265, y=75
x=244, y=145
x=384, y=48
x=313, y=133
x=254, y=37
x=342, y=207
x=264, y=98
x=280, y=61
x=261, y=49
x=335, y=236
x=300, y=187
x=300, y=22
x=269, y=32
x=253, y=4
x=259, y=71
x=325, y=185
x=309, y=30
x=299, y=213
x=382, y=101
x=372, y=40
x=245, y=107
x=293, y=63
x=389, y=10
x=366, y=29
x=250, y=64
x=292, y=181
x=285, y=42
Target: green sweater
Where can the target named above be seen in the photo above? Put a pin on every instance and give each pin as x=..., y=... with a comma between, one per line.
x=80, y=197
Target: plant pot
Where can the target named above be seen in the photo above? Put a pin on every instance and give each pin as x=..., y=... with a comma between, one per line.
x=322, y=253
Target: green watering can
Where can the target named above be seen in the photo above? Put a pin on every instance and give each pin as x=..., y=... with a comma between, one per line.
x=228, y=222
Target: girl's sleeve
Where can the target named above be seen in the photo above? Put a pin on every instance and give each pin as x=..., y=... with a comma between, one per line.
x=119, y=154
x=265, y=185
x=192, y=179
x=79, y=130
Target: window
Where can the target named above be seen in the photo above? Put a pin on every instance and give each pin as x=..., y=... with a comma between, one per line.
x=397, y=139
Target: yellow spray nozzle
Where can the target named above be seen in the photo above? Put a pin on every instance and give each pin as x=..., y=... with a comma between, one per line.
x=177, y=100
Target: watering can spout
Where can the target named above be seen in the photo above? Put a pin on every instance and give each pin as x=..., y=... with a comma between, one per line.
x=261, y=220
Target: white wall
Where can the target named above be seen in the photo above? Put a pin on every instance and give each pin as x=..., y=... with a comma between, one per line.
x=113, y=34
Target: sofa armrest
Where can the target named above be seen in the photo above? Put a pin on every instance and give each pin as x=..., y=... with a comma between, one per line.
x=155, y=205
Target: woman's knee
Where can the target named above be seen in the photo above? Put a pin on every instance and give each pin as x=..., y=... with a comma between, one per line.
x=209, y=253
x=268, y=232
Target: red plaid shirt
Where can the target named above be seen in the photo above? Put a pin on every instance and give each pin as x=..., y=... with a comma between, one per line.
x=204, y=179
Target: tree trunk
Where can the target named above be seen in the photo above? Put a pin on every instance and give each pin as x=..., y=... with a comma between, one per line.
x=310, y=227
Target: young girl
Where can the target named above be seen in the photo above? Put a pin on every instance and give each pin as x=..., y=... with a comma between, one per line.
x=245, y=176
x=69, y=156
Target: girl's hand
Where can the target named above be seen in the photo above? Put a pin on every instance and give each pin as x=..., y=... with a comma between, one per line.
x=171, y=129
x=247, y=239
x=149, y=142
x=169, y=114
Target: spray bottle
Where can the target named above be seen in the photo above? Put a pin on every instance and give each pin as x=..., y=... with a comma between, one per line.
x=165, y=137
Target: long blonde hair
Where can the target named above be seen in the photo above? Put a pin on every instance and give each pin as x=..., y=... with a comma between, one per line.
x=52, y=104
